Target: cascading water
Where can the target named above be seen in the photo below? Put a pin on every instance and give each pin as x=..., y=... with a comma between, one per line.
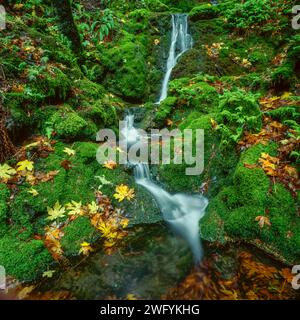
x=182, y=212
x=181, y=41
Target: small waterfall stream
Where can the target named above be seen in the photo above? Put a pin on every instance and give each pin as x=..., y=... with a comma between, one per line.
x=182, y=212
x=181, y=41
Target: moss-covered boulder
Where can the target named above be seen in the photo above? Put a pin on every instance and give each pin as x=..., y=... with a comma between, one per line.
x=68, y=124
x=203, y=11
x=78, y=231
x=24, y=260
x=165, y=109
x=195, y=94
x=235, y=211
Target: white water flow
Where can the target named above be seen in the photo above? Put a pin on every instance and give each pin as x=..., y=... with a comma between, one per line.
x=181, y=211
x=181, y=41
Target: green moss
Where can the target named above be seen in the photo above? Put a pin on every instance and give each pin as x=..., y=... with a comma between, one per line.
x=25, y=261
x=78, y=184
x=4, y=195
x=86, y=151
x=127, y=61
x=68, y=124
x=54, y=84
x=240, y=101
x=234, y=210
x=198, y=95
x=283, y=76
x=212, y=227
x=89, y=89
x=78, y=231
x=101, y=114
x=241, y=222
x=285, y=113
x=203, y=11
x=165, y=108
x=156, y=5
x=190, y=118
x=253, y=184
x=239, y=112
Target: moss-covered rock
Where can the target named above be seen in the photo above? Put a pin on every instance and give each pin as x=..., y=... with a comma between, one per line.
x=203, y=11
x=234, y=210
x=78, y=231
x=68, y=124
x=165, y=108
x=25, y=260
x=195, y=94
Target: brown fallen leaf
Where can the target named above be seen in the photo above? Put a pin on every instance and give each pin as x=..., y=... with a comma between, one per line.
x=66, y=164
x=25, y=292
x=262, y=221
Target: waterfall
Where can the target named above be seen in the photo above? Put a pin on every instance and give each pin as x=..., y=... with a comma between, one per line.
x=181, y=41
x=182, y=212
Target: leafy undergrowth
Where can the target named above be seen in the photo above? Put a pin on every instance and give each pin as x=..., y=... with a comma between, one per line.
x=252, y=280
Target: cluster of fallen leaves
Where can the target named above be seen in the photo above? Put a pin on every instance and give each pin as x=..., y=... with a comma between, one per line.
x=280, y=168
x=252, y=280
x=213, y=51
x=109, y=221
x=24, y=170
x=272, y=131
x=29, y=49
x=274, y=102
x=243, y=62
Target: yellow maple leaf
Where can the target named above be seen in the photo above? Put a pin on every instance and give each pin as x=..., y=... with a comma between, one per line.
x=56, y=212
x=25, y=165
x=109, y=243
x=33, y=192
x=85, y=249
x=93, y=207
x=124, y=223
x=69, y=152
x=286, y=95
x=25, y=292
x=32, y=145
x=75, y=208
x=48, y=274
x=105, y=229
x=124, y=192
x=18, y=6
x=110, y=164
x=131, y=296
x=213, y=123
x=6, y=172
x=30, y=178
